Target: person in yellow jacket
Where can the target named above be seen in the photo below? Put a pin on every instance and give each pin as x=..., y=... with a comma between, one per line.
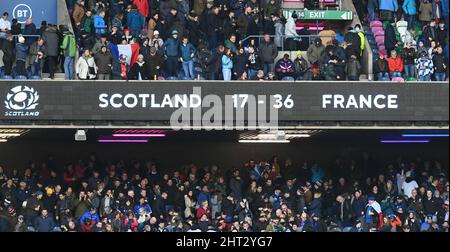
x=362, y=37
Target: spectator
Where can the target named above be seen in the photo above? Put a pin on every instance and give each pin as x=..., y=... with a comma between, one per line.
x=253, y=62
x=440, y=65
x=69, y=48
x=442, y=34
x=291, y=33
x=430, y=33
x=425, y=11
x=8, y=49
x=395, y=65
x=372, y=5
x=87, y=23
x=5, y=26
x=36, y=57
x=171, y=50
x=139, y=71
x=425, y=67
x=410, y=11
x=21, y=55
x=51, y=39
x=45, y=223
x=327, y=35
x=268, y=52
x=78, y=12
x=302, y=71
x=104, y=62
x=285, y=67
x=328, y=70
x=315, y=51
x=231, y=43
x=227, y=64
x=121, y=69
x=86, y=68
x=387, y=10
x=30, y=31
x=353, y=68
x=409, y=56
x=390, y=39
x=155, y=63
x=187, y=51
x=135, y=21
x=381, y=67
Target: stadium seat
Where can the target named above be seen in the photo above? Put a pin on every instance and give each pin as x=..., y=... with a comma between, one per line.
x=377, y=31
x=376, y=23
x=161, y=78
x=20, y=77
x=7, y=77
x=380, y=40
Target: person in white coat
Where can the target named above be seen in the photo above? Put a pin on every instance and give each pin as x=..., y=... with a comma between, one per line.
x=86, y=68
x=290, y=31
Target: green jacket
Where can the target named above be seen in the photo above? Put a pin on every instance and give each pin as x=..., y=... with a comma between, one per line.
x=69, y=45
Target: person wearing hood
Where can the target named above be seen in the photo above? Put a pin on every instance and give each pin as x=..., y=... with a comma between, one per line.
x=69, y=47
x=104, y=61
x=315, y=51
x=86, y=68
x=51, y=39
x=353, y=68
x=352, y=37
x=425, y=67
x=328, y=70
x=139, y=71
x=291, y=33
x=302, y=71
x=21, y=56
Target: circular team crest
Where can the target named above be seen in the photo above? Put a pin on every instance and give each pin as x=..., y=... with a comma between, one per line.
x=22, y=98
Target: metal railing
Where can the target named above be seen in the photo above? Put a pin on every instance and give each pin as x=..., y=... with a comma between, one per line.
x=259, y=38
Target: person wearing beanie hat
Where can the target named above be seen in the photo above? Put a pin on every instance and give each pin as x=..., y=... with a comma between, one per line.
x=104, y=61
x=21, y=56
x=381, y=67
x=171, y=49
x=314, y=52
x=301, y=67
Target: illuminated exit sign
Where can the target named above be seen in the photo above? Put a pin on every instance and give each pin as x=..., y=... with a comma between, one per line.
x=320, y=14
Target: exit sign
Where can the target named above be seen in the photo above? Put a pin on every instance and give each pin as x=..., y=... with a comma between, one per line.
x=320, y=14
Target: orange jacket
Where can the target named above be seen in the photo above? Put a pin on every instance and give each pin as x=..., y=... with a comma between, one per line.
x=395, y=65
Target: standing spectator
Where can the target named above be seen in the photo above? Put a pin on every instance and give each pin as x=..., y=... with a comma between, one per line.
x=227, y=64
x=214, y=64
x=69, y=48
x=121, y=68
x=425, y=67
x=214, y=27
x=142, y=6
x=315, y=51
x=409, y=56
x=36, y=57
x=410, y=11
x=395, y=65
x=279, y=32
x=253, y=62
x=45, y=223
x=430, y=33
x=139, y=71
x=21, y=56
x=291, y=33
x=353, y=68
x=78, y=12
x=171, y=50
x=268, y=51
x=243, y=22
x=8, y=50
x=231, y=43
x=372, y=5
x=30, y=29
x=100, y=24
x=87, y=23
x=285, y=67
x=381, y=67
x=86, y=68
x=104, y=61
x=442, y=34
x=155, y=63
x=51, y=40
x=425, y=11
x=239, y=63
x=135, y=21
x=387, y=10
x=187, y=51
x=390, y=39
x=440, y=65
x=445, y=9
x=5, y=27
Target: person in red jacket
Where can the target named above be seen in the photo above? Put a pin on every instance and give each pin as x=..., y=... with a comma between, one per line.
x=395, y=65
x=142, y=6
x=203, y=210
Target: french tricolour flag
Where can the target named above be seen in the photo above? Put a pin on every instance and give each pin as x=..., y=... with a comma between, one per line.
x=131, y=51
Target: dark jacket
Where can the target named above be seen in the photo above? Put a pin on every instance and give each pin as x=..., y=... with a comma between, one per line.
x=117, y=69
x=171, y=47
x=439, y=62
x=137, y=69
x=104, y=62
x=380, y=66
x=390, y=39
x=239, y=64
x=214, y=63
x=153, y=61
x=51, y=40
x=44, y=224
x=268, y=52
x=409, y=56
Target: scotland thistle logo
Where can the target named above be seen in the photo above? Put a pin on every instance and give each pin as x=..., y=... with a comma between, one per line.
x=20, y=100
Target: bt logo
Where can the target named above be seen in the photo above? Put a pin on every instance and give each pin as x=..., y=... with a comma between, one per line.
x=22, y=12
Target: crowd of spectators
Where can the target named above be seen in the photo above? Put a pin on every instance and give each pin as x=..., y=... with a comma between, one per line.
x=208, y=39
x=357, y=195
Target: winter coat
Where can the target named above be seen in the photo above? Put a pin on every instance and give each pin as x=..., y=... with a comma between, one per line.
x=152, y=62
x=142, y=6
x=242, y=23
x=171, y=47
x=227, y=63
x=199, y=6
x=353, y=67
x=236, y=187
x=104, y=62
x=395, y=65
x=425, y=11
x=82, y=68
x=190, y=204
x=268, y=52
x=78, y=14
x=290, y=28
x=389, y=5
x=439, y=62
x=99, y=24
x=239, y=64
x=409, y=7
x=425, y=67
x=285, y=65
x=33, y=53
x=69, y=45
x=139, y=68
x=51, y=39
x=279, y=32
x=135, y=20
x=314, y=52
x=21, y=51
x=329, y=71
x=409, y=56
x=186, y=51
x=44, y=224
x=390, y=39
x=117, y=71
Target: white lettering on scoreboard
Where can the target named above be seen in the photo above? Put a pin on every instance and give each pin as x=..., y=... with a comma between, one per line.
x=379, y=101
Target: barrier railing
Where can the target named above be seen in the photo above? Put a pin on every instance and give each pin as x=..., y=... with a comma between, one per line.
x=300, y=38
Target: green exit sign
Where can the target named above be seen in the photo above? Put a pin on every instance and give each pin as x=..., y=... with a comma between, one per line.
x=320, y=14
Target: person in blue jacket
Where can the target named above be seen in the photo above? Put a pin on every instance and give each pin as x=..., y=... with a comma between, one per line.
x=187, y=51
x=227, y=65
x=410, y=10
x=171, y=51
x=90, y=215
x=142, y=205
x=99, y=24
x=389, y=7
x=135, y=21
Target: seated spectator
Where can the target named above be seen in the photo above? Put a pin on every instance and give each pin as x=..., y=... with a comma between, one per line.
x=86, y=69
x=425, y=67
x=353, y=68
x=328, y=70
x=285, y=67
x=395, y=65
x=302, y=71
x=381, y=67
x=314, y=52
